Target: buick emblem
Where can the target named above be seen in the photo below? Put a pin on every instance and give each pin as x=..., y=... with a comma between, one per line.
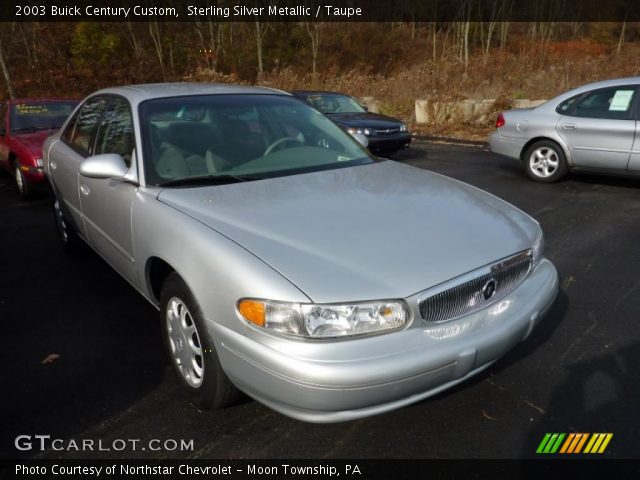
x=489, y=289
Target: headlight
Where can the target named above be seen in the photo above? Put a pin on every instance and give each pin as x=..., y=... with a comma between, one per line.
x=403, y=127
x=325, y=321
x=363, y=131
x=39, y=162
x=538, y=249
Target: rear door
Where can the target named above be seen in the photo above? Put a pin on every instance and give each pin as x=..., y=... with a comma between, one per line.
x=599, y=128
x=66, y=156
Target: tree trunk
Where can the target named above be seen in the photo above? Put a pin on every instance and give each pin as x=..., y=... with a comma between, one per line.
x=5, y=73
x=621, y=39
x=259, y=35
x=313, y=29
x=154, y=31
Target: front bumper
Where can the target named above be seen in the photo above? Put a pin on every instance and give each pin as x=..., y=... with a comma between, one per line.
x=345, y=380
x=389, y=144
x=507, y=146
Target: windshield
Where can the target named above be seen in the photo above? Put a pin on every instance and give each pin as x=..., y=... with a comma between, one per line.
x=239, y=136
x=43, y=115
x=334, y=103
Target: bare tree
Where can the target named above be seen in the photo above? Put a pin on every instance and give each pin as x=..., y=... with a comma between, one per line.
x=133, y=40
x=156, y=36
x=313, y=30
x=260, y=31
x=211, y=37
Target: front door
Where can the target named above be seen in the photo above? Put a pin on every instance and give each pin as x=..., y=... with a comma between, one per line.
x=106, y=203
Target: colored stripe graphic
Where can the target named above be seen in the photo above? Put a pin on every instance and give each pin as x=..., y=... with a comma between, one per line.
x=574, y=442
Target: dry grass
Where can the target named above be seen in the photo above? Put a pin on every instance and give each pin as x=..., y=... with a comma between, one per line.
x=523, y=72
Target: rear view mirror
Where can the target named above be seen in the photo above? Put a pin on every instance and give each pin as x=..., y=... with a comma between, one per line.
x=106, y=165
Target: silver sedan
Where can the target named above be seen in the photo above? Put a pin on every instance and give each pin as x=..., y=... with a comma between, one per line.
x=592, y=128
x=286, y=262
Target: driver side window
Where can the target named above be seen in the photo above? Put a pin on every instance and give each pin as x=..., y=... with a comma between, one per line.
x=115, y=133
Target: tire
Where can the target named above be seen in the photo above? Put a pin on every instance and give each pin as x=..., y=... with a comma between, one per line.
x=71, y=243
x=545, y=162
x=191, y=351
x=24, y=189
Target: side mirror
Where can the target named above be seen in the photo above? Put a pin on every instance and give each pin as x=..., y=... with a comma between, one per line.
x=362, y=139
x=366, y=109
x=106, y=165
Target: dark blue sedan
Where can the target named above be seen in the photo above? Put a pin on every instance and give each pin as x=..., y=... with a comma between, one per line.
x=385, y=134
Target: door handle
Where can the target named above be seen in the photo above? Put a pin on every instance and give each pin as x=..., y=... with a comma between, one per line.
x=53, y=164
x=569, y=126
x=84, y=189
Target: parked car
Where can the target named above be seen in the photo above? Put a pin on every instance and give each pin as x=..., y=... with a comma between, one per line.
x=590, y=128
x=285, y=260
x=385, y=135
x=24, y=125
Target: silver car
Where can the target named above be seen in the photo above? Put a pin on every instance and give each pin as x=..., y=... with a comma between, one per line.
x=286, y=261
x=591, y=128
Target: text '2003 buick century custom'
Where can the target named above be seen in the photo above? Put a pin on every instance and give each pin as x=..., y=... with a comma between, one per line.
x=285, y=260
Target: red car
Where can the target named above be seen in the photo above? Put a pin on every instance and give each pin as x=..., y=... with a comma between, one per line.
x=24, y=125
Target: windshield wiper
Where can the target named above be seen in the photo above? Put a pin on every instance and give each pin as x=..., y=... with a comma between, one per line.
x=33, y=129
x=208, y=180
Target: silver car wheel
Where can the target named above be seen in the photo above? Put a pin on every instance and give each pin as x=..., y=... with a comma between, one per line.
x=19, y=180
x=544, y=162
x=186, y=347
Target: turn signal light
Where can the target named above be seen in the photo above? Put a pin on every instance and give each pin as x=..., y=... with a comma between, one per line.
x=252, y=311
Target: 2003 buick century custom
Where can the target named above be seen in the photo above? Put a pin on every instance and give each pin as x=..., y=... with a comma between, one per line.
x=285, y=260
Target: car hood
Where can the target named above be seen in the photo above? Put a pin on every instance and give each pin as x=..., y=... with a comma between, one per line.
x=377, y=231
x=32, y=141
x=364, y=119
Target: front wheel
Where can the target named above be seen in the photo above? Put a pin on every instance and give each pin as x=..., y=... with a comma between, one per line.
x=545, y=162
x=191, y=351
x=22, y=183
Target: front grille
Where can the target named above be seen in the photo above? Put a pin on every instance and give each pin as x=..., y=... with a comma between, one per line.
x=467, y=297
x=386, y=132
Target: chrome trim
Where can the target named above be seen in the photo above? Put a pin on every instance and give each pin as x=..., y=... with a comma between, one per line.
x=464, y=295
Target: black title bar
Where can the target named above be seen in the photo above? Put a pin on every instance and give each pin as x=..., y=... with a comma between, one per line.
x=324, y=469
x=321, y=10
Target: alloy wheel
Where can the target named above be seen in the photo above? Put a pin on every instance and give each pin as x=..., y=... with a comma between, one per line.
x=184, y=340
x=544, y=162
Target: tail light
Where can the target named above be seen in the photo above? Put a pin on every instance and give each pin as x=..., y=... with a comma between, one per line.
x=500, y=121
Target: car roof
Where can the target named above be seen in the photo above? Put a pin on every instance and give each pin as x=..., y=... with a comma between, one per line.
x=141, y=92
x=317, y=92
x=551, y=104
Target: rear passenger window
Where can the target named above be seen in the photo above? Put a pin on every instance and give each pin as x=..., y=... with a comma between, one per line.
x=610, y=103
x=80, y=129
x=565, y=107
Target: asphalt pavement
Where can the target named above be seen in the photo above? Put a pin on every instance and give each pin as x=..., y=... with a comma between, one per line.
x=108, y=378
